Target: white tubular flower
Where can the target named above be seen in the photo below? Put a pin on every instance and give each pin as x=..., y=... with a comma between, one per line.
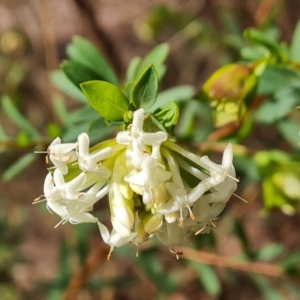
x=178, y=202
x=151, y=176
x=50, y=190
x=219, y=172
x=91, y=162
x=55, y=203
x=78, y=213
x=66, y=200
x=61, y=154
x=94, y=194
x=205, y=215
x=222, y=191
x=121, y=211
x=200, y=189
x=172, y=234
x=137, y=139
x=69, y=190
x=113, y=239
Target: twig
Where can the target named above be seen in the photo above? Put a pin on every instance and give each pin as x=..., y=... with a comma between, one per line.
x=233, y=263
x=90, y=266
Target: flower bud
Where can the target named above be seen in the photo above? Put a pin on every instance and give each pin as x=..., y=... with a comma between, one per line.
x=142, y=236
x=124, y=215
x=120, y=228
x=152, y=223
x=172, y=217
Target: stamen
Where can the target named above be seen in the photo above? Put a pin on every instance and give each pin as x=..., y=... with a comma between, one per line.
x=110, y=252
x=38, y=198
x=191, y=213
x=239, y=197
x=44, y=152
x=181, y=218
x=175, y=252
x=233, y=178
x=199, y=231
x=137, y=252
x=62, y=221
x=36, y=201
x=213, y=224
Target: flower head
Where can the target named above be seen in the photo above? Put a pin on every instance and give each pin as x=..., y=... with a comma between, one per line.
x=154, y=186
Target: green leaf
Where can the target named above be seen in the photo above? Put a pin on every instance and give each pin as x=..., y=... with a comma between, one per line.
x=3, y=135
x=15, y=115
x=144, y=91
x=268, y=291
x=292, y=264
x=106, y=99
x=272, y=195
x=156, y=57
x=295, y=46
x=85, y=53
x=79, y=73
x=18, y=166
x=275, y=78
x=208, y=278
x=254, y=52
x=274, y=109
x=178, y=93
x=132, y=69
x=61, y=109
x=263, y=39
x=243, y=238
x=289, y=129
x=270, y=252
x=168, y=116
x=61, y=81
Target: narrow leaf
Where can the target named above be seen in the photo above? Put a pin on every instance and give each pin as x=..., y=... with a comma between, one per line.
x=79, y=73
x=295, y=46
x=18, y=166
x=261, y=38
x=84, y=52
x=268, y=291
x=132, y=69
x=289, y=129
x=61, y=81
x=61, y=110
x=208, y=278
x=3, y=135
x=178, y=93
x=156, y=57
x=106, y=99
x=15, y=115
x=144, y=92
x=270, y=252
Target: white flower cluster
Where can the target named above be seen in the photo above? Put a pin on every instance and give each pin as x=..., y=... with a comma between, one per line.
x=148, y=182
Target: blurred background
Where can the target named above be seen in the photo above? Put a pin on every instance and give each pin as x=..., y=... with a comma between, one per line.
x=69, y=262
